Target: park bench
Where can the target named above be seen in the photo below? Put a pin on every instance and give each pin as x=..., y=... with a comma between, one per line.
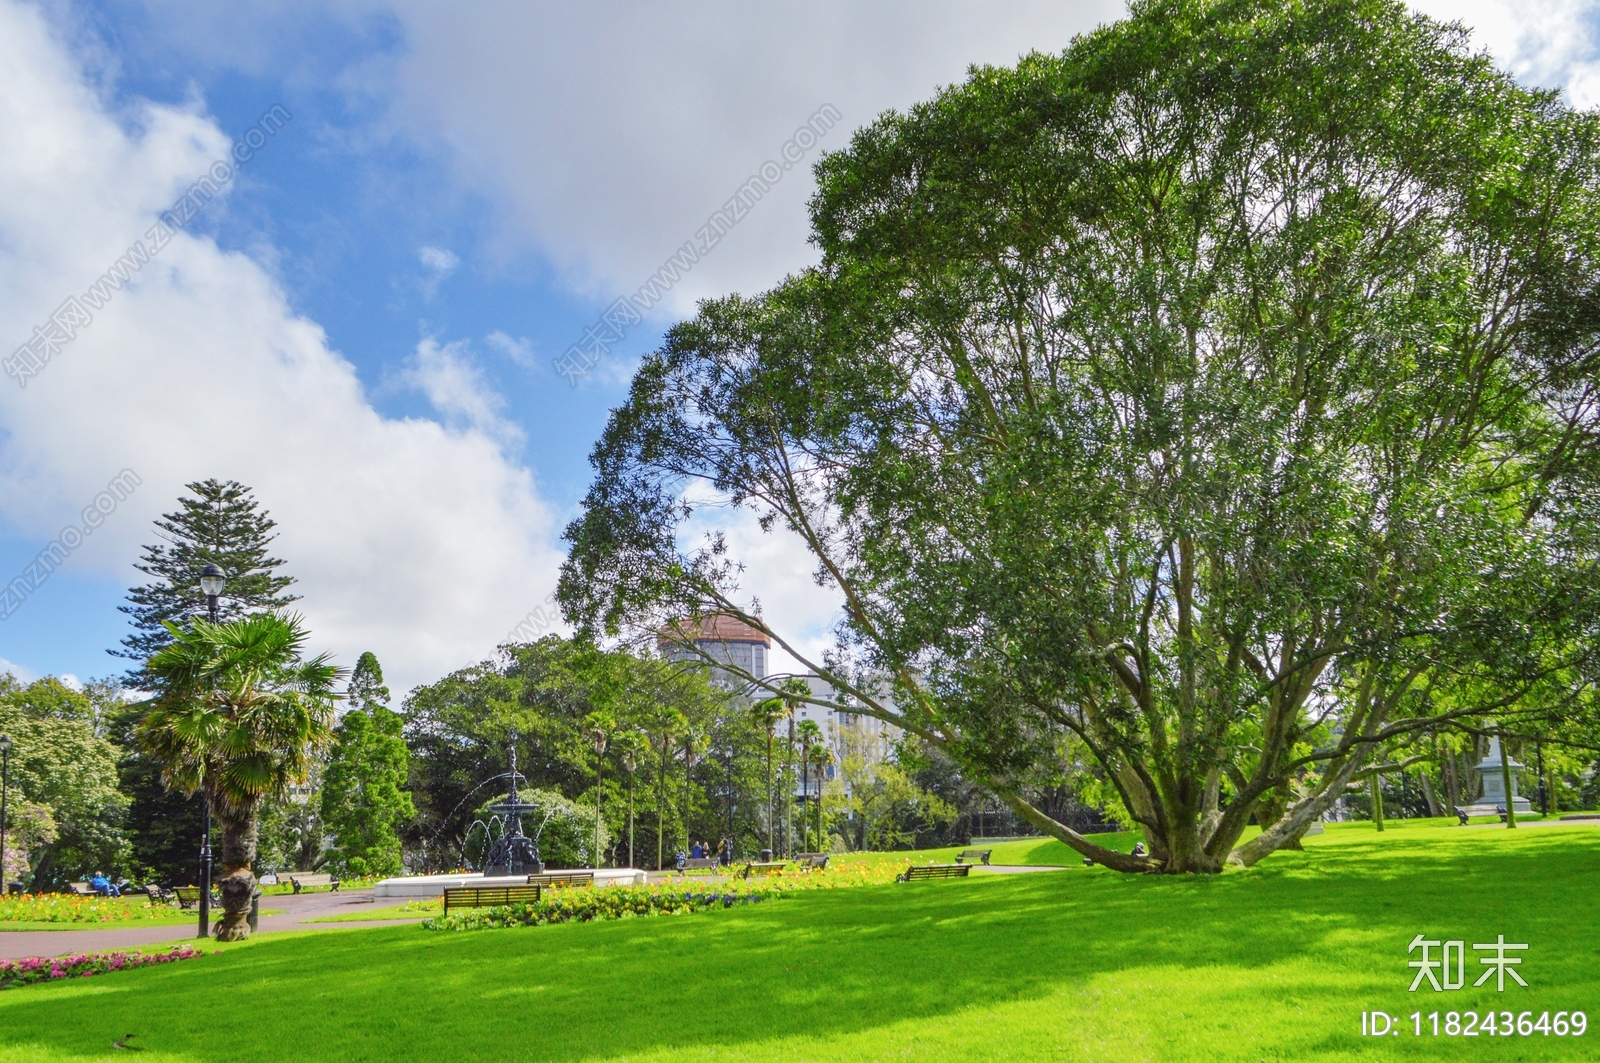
x=300, y=882
x=565, y=878
x=489, y=896
x=188, y=896
x=811, y=861
x=81, y=889
x=763, y=867
x=698, y=863
x=156, y=894
x=967, y=856
x=922, y=871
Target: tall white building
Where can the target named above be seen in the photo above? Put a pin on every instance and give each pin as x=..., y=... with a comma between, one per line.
x=724, y=639
x=871, y=736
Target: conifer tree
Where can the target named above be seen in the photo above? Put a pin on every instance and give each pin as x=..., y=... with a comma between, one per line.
x=363, y=800
x=366, y=690
x=221, y=523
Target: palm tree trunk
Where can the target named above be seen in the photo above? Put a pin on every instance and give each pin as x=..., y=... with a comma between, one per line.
x=805, y=792
x=237, y=883
x=661, y=805
x=770, y=824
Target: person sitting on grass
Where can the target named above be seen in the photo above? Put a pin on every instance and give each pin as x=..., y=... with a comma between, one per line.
x=103, y=886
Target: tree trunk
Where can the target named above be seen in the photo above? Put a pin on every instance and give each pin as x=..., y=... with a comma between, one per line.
x=1427, y=794
x=661, y=805
x=237, y=883
x=1271, y=808
x=1505, y=777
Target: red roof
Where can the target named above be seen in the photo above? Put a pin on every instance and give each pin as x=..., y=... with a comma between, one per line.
x=718, y=627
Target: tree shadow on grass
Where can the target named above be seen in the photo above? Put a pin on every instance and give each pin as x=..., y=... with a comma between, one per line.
x=817, y=965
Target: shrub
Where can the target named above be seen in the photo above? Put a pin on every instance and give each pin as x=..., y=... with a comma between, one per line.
x=608, y=902
x=32, y=969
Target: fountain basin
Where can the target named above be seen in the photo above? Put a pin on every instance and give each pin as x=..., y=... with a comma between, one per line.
x=410, y=887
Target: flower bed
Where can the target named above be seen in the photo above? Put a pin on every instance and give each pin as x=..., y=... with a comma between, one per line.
x=609, y=902
x=22, y=972
x=679, y=897
x=71, y=908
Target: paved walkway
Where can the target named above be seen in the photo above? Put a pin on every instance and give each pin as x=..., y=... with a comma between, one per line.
x=296, y=911
x=1540, y=823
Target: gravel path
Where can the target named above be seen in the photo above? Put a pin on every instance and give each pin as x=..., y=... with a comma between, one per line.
x=296, y=911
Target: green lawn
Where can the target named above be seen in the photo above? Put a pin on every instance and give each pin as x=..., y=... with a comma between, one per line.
x=1277, y=962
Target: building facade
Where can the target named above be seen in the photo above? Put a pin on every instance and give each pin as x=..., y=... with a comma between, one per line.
x=725, y=640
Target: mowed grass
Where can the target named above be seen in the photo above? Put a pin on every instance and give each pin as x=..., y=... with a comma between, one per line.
x=1276, y=962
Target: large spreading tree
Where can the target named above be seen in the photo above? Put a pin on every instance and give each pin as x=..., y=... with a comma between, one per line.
x=1212, y=405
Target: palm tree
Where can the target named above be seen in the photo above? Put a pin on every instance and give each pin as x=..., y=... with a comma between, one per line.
x=766, y=714
x=599, y=726
x=693, y=746
x=628, y=746
x=821, y=756
x=662, y=722
x=809, y=735
x=238, y=713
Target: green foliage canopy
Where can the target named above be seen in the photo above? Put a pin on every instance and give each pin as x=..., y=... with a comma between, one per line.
x=1215, y=398
x=363, y=800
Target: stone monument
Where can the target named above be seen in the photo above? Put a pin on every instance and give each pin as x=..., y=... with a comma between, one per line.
x=1494, y=786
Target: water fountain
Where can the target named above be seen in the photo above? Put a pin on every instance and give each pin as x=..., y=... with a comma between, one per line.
x=512, y=854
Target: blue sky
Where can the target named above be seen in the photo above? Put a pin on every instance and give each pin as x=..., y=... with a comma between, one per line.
x=362, y=326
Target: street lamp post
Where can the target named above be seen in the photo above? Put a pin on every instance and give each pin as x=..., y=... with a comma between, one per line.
x=630, y=762
x=5, y=785
x=598, y=737
x=212, y=580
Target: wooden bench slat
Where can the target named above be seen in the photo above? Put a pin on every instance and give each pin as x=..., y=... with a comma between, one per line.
x=921, y=871
x=571, y=878
x=489, y=896
x=966, y=855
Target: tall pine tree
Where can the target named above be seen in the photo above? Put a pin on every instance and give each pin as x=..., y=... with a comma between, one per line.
x=363, y=797
x=221, y=523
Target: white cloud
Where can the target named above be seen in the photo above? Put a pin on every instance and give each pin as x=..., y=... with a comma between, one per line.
x=456, y=389
x=518, y=350
x=421, y=541
x=1545, y=43
x=777, y=575
x=609, y=133
x=22, y=673
x=440, y=263
x=439, y=260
